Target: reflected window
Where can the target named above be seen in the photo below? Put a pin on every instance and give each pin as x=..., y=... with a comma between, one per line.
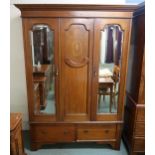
x=42, y=45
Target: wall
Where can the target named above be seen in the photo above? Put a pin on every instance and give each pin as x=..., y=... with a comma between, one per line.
x=70, y=1
x=18, y=95
x=134, y=1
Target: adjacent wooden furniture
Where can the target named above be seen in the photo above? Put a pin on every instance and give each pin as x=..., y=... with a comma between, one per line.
x=16, y=137
x=41, y=81
x=42, y=70
x=42, y=75
x=37, y=98
x=134, y=127
x=77, y=32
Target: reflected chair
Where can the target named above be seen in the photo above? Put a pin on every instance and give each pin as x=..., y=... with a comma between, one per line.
x=106, y=88
x=106, y=91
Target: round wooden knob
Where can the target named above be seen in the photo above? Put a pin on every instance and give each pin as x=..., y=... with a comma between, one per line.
x=85, y=131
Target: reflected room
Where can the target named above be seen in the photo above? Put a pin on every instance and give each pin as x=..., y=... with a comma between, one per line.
x=109, y=68
x=43, y=69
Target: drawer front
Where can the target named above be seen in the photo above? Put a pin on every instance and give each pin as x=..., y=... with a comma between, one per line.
x=139, y=145
x=55, y=133
x=96, y=132
x=140, y=114
x=140, y=129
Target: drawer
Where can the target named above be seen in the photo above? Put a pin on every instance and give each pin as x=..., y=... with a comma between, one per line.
x=87, y=133
x=140, y=129
x=53, y=133
x=140, y=114
x=139, y=145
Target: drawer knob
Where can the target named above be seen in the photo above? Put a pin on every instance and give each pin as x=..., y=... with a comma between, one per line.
x=43, y=132
x=106, y=131
x=85, y=131
x=66, y=132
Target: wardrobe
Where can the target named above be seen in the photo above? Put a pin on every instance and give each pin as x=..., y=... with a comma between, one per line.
x=84, y=85
x=134, y=126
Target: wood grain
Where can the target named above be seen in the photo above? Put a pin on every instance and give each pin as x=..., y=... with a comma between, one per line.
x=16, y=137
x=76, y=45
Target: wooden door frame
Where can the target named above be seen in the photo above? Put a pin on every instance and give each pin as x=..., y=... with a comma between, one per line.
x=27, y=26
x=99, y=25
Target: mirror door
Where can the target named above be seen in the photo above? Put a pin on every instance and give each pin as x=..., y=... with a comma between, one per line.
x=110, y=53
x=42, y=68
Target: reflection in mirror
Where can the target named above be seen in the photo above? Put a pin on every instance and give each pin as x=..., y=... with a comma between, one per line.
x=43, y=69
x=109, y=68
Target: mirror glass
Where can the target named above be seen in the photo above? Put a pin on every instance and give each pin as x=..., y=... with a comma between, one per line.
x=42, y=45
x=109, y=68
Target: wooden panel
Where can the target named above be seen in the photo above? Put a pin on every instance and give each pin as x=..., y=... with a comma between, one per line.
x=129, y=120
x=139, y=145
x=76, y=63
x=96, y=132
x=16, y=137
x=83, y=14
x=70, y=10
x=137, y=59
x=140, y=129
x=62, y=7
x=140, y=114
x=141, y=97
x=55, y=133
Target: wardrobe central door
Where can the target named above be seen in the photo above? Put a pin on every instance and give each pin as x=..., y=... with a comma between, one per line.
x=75, y=68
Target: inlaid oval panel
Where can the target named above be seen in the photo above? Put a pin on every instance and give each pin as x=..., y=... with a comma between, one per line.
x=77, y=43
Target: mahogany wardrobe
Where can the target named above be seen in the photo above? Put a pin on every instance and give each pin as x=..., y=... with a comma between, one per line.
x=76, y=59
